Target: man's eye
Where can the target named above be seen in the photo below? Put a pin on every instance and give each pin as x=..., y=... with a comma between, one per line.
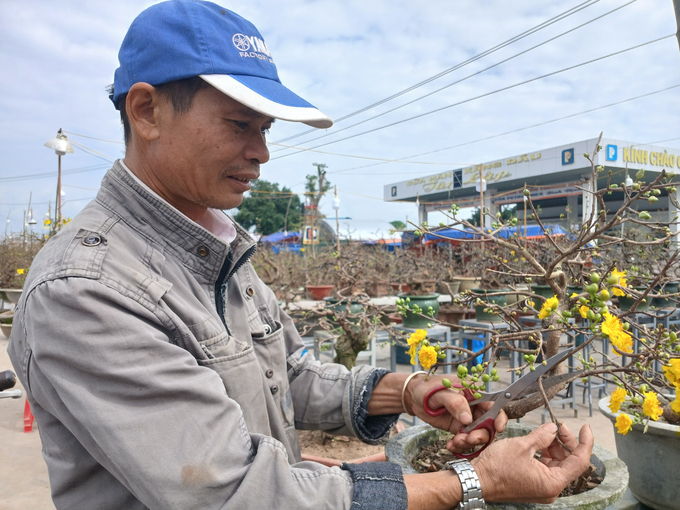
x=241, y=125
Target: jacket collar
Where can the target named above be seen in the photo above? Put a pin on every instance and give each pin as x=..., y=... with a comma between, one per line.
x=193, y=245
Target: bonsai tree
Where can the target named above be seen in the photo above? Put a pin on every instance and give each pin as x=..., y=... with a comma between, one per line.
x=591, y=312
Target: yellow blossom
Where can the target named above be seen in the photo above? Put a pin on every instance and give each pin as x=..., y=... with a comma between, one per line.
x=623, y=424
x=417, y=336
x=412, y=352
x=47, y=223
x=548, y=307
x=617, y=399
x=20, y=271
x=512, y=252
x=673, y=371
x=427, y=356
x=623, y=341
x=584, y=311
x=651, y=406
x=505, y=261
x=621, y=277
x=573, y=295
x=613, y=328
x=675, y=405
x=531, y=303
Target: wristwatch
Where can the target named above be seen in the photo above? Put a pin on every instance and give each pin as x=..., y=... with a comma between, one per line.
x=472, y=490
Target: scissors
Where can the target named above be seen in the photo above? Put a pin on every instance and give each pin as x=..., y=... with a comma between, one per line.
x=521, y=387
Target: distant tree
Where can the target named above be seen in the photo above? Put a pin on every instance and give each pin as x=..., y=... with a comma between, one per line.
x=317, y=185
x=507, y=212
x=267, y=209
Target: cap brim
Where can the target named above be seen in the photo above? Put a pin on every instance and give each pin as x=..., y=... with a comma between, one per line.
x=269, y=97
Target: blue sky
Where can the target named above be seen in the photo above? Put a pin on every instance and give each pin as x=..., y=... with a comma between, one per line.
x=57, y=59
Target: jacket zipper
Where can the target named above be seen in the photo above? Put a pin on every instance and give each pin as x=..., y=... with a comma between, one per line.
x=223, y=279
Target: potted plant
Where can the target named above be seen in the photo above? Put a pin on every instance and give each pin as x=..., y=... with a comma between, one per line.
x=403, y=448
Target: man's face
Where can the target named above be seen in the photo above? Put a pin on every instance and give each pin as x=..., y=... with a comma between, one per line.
x=208, y=156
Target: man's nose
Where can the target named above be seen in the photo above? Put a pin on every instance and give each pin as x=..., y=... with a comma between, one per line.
x=257, y=149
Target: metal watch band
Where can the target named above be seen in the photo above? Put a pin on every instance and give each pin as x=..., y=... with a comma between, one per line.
x=472, y=490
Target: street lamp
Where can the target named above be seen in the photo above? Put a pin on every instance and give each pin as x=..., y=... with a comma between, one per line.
x=60, y=145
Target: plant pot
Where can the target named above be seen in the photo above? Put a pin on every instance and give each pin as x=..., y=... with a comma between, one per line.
x=318, y=292
x=451, y=314
x=652, y=460
x=467, y=282
x=7, y=317
x=545, y=291
x=6, y=329
x=401, y=287
x=625, y=303
x=378, y=289
x=500, y=299
x=411, y=320
x=340, y=305
x=571, y=289
x=13, y=295
x=403, y=447
x=669, y=288
x=513, y=298
x=453, y=286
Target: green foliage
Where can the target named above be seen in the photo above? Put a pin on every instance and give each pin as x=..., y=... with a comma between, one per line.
x=507, y=212
x=398, y=225
x=16, y=256
x=267, y=206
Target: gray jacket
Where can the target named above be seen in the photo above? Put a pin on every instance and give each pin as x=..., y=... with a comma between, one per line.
x=162, y=373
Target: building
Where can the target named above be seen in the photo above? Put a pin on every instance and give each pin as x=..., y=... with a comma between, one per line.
x=560, y=179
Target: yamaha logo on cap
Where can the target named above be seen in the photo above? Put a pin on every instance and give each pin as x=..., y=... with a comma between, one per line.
x=244, y=43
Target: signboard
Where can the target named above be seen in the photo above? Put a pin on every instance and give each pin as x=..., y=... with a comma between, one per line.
x=310, y=235
x=558, y=190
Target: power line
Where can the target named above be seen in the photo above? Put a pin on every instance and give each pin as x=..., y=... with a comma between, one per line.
x=436, y=110
x=510, y=41
x=523, y=129
x=469, y=76
x=53, y=174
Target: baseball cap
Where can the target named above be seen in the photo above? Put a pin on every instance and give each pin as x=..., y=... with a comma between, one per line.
x=181, y=39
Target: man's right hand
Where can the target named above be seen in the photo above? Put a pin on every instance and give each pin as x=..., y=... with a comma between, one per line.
x=508, y=470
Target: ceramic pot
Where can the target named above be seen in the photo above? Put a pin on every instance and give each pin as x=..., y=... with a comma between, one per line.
x=403, y=447
x=12, y=295
x=318, y=292
x=411, y=320
x=652, y=459
x=545, y=291
x=467, y=282
x=500, y=299
x=669, y=288
x=625, y=303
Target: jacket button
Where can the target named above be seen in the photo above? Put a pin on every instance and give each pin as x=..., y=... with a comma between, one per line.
x=274, y=389
x=203, y=251
x=92, y=240
x=250, y=291
x=269, y=373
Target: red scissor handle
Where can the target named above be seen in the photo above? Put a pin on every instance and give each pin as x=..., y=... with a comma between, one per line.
x=488, y=424
x=441, y=410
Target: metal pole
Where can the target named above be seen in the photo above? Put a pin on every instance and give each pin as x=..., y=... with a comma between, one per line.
x=481, y=195
x=676, y=7
x=525, y=218
x=58, y=225
x=337, y=221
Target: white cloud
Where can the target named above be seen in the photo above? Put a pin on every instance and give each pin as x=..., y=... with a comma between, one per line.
x=341, y=56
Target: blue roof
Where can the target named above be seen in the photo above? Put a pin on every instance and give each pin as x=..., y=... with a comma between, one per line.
x=281, y=237
x=506, y=232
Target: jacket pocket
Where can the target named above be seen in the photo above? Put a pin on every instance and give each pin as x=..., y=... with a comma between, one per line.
x=240, y=374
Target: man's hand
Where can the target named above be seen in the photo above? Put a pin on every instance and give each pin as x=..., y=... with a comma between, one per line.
x=459, y=412
x=508, y=470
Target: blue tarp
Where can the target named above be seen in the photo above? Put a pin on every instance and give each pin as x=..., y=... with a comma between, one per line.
x=281, y=237
x=506, y=232
x=294, y=247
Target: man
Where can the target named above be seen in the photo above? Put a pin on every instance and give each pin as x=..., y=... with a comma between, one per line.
x=159, y=367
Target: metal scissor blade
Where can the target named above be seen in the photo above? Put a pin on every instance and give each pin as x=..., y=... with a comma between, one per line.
x=516, y=388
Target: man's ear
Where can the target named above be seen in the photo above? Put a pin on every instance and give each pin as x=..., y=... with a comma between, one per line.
x=143, y=108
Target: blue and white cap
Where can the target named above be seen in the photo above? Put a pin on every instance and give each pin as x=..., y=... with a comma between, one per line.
x=181, y=39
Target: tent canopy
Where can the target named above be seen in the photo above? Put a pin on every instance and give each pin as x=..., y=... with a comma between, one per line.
x=532, y=232
x=282, y=237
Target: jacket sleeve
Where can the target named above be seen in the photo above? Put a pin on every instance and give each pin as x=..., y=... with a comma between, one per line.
x=110, y=388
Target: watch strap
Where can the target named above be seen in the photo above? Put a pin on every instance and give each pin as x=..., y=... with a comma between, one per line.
x=472, y=490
